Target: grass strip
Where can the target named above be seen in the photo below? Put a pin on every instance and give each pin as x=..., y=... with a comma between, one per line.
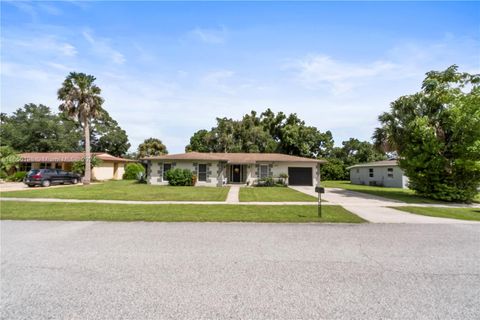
x=13, y=210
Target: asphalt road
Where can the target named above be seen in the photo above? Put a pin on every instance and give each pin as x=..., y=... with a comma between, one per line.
x=99, y=270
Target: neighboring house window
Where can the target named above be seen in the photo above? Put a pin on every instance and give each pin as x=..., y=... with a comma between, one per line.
x=166, y=167
x=390, y=172
x=263, y=171
x=370, y=172
x=26, y=166
x=44, y=165
x=58, y=165
x=202, y=172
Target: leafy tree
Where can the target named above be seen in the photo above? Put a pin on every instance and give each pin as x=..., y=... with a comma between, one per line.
x=334, y=169
x=108, y=136
x=82, y=102
x=200, y=142
x=8, y=160
x=436, y=133
x=151, y=147
x=352, y=151
x=34, y=128
x=267, y=132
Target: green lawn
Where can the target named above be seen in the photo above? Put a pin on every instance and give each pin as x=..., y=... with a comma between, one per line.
x=124, y=190
x=454, y=213
x=273, y=194
x=14, y=210
x=405, y=195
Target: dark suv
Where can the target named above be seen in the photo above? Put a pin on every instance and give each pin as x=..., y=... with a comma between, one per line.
x=47, y=177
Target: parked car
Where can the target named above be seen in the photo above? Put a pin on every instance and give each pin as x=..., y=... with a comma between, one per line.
x=47, y=177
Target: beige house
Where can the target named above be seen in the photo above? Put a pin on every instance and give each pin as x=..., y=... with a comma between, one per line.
x=217, y=169
x=110, y=168
x=385, y=173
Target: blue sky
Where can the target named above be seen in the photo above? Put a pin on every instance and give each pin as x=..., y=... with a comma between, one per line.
x=168, y=69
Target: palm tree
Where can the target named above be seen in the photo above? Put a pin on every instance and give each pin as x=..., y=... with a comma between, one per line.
x=82, y=102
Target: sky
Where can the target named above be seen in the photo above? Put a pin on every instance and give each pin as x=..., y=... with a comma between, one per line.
x=168, y=69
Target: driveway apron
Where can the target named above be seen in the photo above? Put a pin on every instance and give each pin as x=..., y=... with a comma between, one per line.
x=373, y=208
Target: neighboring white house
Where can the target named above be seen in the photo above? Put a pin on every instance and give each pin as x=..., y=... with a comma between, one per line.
x=110, y=167
x=216, y=169
x=385, y=173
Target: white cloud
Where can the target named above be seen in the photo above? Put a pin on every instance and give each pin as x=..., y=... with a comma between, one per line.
x=46, y=44
x=211, y=36
x=321, y=70
x=68, y=50
x=102, y=47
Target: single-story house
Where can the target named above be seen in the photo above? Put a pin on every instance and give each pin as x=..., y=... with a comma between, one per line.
x=110, y=168
x=386, y=173
x=217, y=169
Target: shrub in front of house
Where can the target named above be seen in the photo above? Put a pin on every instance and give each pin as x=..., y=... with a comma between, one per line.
x=179, y=177
x=132, y=171
x=17, y=176
x=271, y=182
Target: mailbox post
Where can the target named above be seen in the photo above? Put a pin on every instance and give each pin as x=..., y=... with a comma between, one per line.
x=320, y=190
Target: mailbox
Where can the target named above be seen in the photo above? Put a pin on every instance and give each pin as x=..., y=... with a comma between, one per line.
x=319, y=189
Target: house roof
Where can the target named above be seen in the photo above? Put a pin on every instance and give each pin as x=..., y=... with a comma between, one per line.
x=234, y=157
x=383, y=163
x=66, y=157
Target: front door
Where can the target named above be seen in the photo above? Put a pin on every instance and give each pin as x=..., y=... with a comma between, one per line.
x=236, y=173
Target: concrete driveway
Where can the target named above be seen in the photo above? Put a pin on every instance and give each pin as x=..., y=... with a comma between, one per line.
x=375, y=209
x=100, y=270
x=12, y=186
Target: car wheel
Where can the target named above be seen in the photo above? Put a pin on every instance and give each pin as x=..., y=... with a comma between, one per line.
x=30, y=185
x=46, y=183
x=74, y=181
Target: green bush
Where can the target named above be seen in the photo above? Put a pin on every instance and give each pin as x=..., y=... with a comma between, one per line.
x=271, y=182
x=179, y=177
x=17, y=176
x=334, y=169
x=79, y=166
x=133, y=170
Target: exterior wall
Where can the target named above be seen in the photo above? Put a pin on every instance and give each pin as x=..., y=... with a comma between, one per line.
x=380, y=176
x=120, y=171
x=277, y=168
x=215, y=171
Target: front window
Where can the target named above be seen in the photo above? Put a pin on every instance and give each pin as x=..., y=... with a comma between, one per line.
x=44, y=165
x=166, y=167
x=263, y=171
x=25, y=166
x=202, y=172
x=370, y=172
x=390, y=172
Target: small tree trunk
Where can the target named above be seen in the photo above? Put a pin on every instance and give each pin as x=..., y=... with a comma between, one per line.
x=88, y=170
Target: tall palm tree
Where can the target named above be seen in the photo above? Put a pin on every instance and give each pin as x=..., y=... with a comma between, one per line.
x=82, y=102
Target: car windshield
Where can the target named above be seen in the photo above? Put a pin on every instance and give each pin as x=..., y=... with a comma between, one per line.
x=33, y=171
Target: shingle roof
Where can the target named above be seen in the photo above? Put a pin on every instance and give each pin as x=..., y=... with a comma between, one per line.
x=234, y=157
x=66, y=157
x=383, y=163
